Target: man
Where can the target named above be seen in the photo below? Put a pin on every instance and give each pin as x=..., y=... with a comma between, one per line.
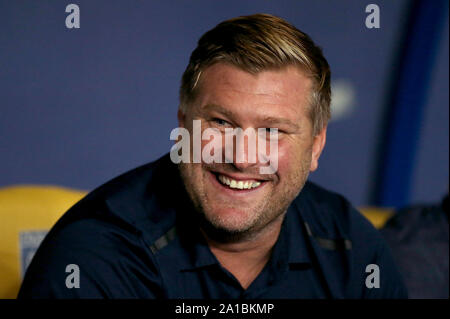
x=223, y=229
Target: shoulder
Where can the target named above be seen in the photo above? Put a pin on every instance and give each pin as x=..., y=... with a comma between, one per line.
x=332, y=215
x=134, y=202
x=103, y=235
x=102, y=257
x=356, y=244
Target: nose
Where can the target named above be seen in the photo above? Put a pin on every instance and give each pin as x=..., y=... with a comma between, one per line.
x=244, y=151
x=243, y=165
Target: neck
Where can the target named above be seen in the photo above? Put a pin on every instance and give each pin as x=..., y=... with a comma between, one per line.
x=264, y=239
x=246, y=257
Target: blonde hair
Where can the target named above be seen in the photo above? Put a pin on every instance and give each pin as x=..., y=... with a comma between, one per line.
x=260, y=42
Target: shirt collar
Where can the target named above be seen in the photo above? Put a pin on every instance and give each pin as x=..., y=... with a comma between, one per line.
x=291, y=244
x=290, y=247
x=191, y=239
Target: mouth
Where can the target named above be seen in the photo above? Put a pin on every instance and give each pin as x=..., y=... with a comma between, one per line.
x=237, y=185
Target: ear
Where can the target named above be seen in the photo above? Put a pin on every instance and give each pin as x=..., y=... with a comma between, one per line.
x=181, y=118
x=317, y=147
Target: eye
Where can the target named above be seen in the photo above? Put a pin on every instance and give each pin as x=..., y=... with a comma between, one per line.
x=220, y=122
x=273, y=131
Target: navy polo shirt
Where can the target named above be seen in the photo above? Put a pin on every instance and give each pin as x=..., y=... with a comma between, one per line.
x=137, y=236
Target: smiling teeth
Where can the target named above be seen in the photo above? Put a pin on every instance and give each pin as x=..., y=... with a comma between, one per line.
x=238, y=184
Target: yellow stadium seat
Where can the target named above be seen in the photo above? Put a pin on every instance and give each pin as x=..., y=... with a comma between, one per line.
x=27, y=212
x=376, y=215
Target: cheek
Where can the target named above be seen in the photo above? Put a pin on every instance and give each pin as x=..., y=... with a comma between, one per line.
x=188, y=121
x=212, y=147
x=284, y=159
x=292, y=156
x=197, y=178
x=212, y=138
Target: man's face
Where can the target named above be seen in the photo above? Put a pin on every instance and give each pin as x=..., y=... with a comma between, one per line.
x=230, y=98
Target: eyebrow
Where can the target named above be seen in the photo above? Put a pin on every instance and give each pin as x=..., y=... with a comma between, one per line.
x=218, y=108
x=279, y=120
x=266, y=119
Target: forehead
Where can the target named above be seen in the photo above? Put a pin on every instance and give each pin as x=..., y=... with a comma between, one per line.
x=271, y=92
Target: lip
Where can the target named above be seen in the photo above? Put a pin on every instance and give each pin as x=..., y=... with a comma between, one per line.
x=239, y=177
x=235, y=192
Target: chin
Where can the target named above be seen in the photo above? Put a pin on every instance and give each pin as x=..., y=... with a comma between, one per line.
x=230, y=220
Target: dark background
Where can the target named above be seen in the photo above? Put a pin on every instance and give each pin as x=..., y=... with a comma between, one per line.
x=80, y=106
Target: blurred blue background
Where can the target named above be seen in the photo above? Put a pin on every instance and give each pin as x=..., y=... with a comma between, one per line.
x=80, y=106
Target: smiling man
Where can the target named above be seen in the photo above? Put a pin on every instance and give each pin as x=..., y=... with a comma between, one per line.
x=222, y=228
x=242, y=225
